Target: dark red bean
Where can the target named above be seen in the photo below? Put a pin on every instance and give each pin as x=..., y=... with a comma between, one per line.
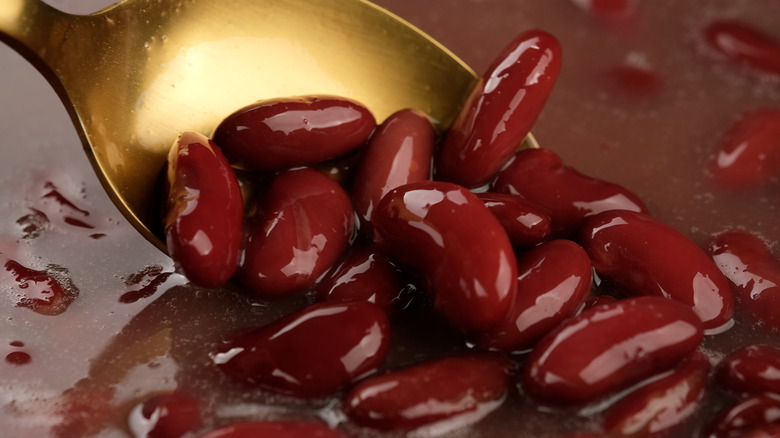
x=501, y=109
x=749, y=417
x=596, y=300
x=281, y=133
x=647, y=257
x=540, y=176
x=525, y=223
x=610, y=347
x=749, y=155
x=553, y=279
x=743, y=44
x=400, y=152
x=429, y=393
x=170, y=415
x=662, y=405
x=311, y=353
x=205, y=211
x=752, y=369
x=41, y=291
x=275, y=429
x=305, y=224
x=754, y=272
x=363, y=275
x=446, y=233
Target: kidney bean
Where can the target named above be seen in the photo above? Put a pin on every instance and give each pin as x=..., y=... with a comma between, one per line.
x=553, y=281
x=752, y=369
x=400, y=152
x=753, y=271
x=540, y=176
x=310, y=353
x=747, y=418
x=305, y=225
x=749, y=155
x=446, y=232
x=501, y=109
x=525, y=223
x=744, y=44
x=610, y=347
x=363, y=275
x=647, y=257
x=204, y=219
x=170, y=415
x=662, y=405
x=429, y=393
x=596, y=300
x=275, y=429
x=281, y=133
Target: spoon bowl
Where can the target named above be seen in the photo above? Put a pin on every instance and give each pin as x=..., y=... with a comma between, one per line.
x=133, y=75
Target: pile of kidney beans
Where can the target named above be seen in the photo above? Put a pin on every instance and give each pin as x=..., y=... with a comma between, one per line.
x=564, y=286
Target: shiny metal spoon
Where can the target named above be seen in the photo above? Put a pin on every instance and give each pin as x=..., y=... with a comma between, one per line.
x=134, y=75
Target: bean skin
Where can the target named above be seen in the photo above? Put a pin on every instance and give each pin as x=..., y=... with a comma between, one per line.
x=751, y=370
x=204, y=220
x=743, y=44
x=647, y=257
x=275, y=429
x=748, y=418
x=399, y=152
x=610, y=347
x=446, y=233
x=525, y=223
x=754, y=272
x=305, y=225
x=281, y=133
x=501, y=109
x=311, y=353
x=570, y=197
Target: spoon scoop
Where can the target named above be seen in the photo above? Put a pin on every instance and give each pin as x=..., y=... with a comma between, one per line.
x=135, y=74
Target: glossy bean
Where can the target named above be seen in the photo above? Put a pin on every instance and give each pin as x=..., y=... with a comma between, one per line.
x=429, y=393
x=644, y=256
x=752, y=369
x=305, y=225
x=553, y=280
x=275, y=429
x=310, y=353
x=445, y=232
x=610, y=347
x=747, y=418
x=501, y=109
x=281, y=133
x=204, y=217
x=743, y=44
x=525, y=223
x=754, y=272
x=540, y=176
x=169, y=415
x=399, y=152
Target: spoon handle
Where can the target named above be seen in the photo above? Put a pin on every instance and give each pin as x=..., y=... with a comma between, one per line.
x=34, y=29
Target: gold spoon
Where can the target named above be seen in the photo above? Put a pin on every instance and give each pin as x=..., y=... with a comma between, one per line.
x=135, y=74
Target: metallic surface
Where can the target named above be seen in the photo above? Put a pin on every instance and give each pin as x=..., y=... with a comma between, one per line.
x=135, y=74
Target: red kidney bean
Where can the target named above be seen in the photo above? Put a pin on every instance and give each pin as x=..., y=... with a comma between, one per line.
x=275, y=429
x=41, y=291
x=744, y=44
x=752, y=369
x=310, y=353
x=501, y=109
x=363, y=275
x=429, y=393
x=553, y=280
x=400, y=152
x=204, y=221
x=633, y=82
x=306, y=223
x=610, y=347
x=525, y=223
x=540, y=176
x=596, y=300
x=753, y=271
x=747, y=417
x=647, y=257
x=662, y=405
x=169, y=415
x=281, y=133
x=447, y=233
x=749, y=155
